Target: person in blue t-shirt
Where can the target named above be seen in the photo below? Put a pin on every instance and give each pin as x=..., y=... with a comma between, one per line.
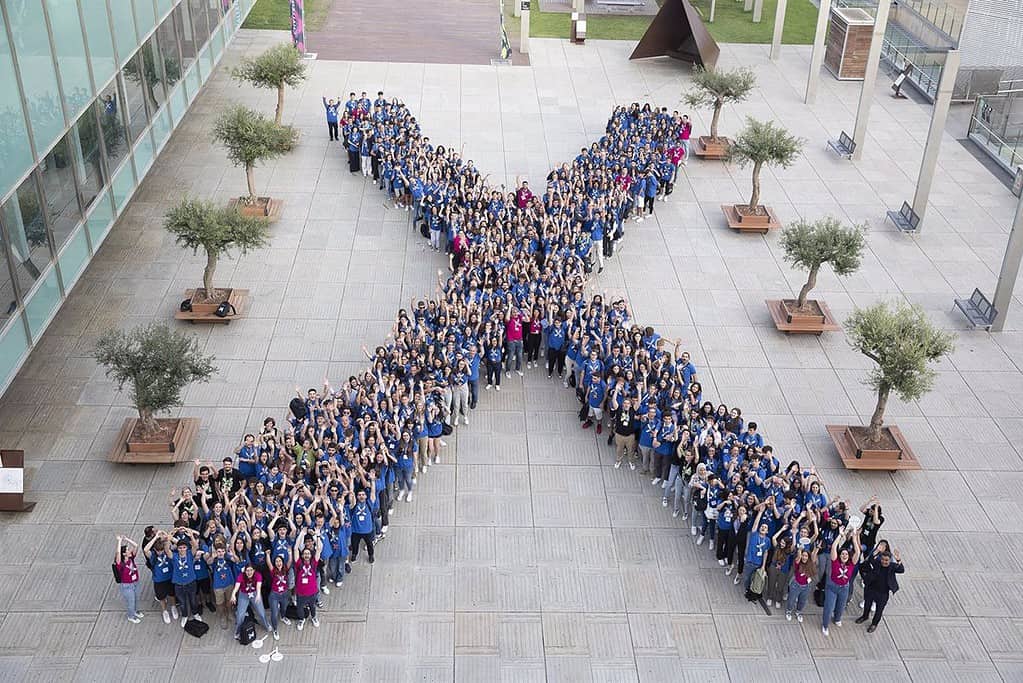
x=222, y=575
x=360, y=511
x=331, y=107
x=183, y=576
x=157, y=552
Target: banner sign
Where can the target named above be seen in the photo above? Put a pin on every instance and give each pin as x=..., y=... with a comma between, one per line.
x=298, y=25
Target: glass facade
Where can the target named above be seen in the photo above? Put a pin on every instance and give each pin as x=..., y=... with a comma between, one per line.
x=92, y=90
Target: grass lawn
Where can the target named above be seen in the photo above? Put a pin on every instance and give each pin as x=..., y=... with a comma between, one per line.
x=276, y=14
x=731, y=23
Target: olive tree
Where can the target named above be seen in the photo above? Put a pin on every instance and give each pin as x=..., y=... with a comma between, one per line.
x=713, y=88
x=157, y=362
x=809, y=245
x=277, y=68
x=762, y=143
x=903, y=343
x=215, y=229
x=250, y=138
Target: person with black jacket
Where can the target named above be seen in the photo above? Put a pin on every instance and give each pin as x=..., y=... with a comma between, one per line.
x=879, y=582
x=626, y=425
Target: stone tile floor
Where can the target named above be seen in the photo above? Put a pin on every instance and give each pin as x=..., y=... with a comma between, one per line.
x=526, y=556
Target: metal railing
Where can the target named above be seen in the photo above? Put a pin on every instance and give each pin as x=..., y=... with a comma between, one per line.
x=993, y=127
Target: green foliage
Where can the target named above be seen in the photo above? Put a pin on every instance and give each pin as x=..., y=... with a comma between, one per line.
x=902, y=342
x=762, y=142
x=712, y=87
x=157, y=362
x=251, y=137
x=279, y=66
x=809, y=245
x=152, y=73
x=216, y=229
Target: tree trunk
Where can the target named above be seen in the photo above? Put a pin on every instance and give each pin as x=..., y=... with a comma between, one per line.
x=877, y=419
x=148, y=422
x=207, y=274
x=250, y=178
x=280, y=104
x=754, y=201
x=718, y=104
x=811, y=282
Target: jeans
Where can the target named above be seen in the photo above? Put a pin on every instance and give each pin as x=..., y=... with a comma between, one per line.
x=336, y=568
x=674, y=482
x=797, y=596
x=306, y=606
x=278, y=605
x=244, y=602
x=646, y=458
x=130, y=593
x=835, y=597
x=187, y=599
x=878, y=598
x=356, y=539
x=404, y=481
x=514, y=350
x=493, y=373
x=474, y=392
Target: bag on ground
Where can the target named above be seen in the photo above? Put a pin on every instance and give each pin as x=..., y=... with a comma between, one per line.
x=248, y=631
x=197, y=629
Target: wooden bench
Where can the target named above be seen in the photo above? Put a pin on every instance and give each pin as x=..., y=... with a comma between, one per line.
x=237, y=299
x=844, y=146
x=905, y=219
x=978, y=310
x=188, y=430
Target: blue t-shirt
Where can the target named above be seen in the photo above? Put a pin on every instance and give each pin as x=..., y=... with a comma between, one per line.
x=222, y=572
x=183, y=568
x=362, y=518
x=161, y=566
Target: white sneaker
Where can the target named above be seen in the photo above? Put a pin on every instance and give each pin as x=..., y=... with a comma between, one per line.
x=710, y=546
x=197, y=617
x=316, y=622
x=488, y=386
x=674, y=513
x=184, y=620
x=664, y=502
x=656, y=481
x=824, y=630
x=520, y=373
x=277, y=636
x=618, y=465
x=174, y=611
x=685, y=516
x=497, y=388
x=166, y=617
x=409, y=499
x=838, y=623
x=301, y=624
x=466, y=421
x=632, y=466
x=699, y=541
x=788, y=616
x=436, y=460
x=139, y=615
x=721, y=562
x=401, y=495
x=728, y=572
x=285, y=621
x=692, y=531
x=326, y=591
x=383, y=529
x=664, y=484
x=799, y=618
x=777, y=605
x=454, y=423
x=735, y=582
x=443, y=443
x=135, y=620
x=507, y=374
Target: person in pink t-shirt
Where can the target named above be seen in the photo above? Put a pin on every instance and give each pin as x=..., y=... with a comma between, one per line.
x=513, y=340
x=307, y=586
x=128, y=572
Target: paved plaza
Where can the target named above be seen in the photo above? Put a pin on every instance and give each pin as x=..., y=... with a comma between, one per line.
x=526, y=556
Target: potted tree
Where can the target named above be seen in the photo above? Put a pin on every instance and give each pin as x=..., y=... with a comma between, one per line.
x=216, y=230
x=249, y=138
x=279, y=67
x=903, y=343
x=761, y=143
x=809, y=245
x=157, y=363
x=713, y=88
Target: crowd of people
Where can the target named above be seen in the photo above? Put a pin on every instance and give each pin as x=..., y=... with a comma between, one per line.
x=280, y=523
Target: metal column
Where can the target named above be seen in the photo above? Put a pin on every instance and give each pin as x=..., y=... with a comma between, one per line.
x=1010, y=269
x=817, y=56
x=870, y=77
x=779, y=24
x=934, y=134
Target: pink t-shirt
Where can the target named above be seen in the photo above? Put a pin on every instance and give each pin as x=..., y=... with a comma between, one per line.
x=128, y=571
x=278, y=581
x=513, y=329
x=305, y=578
x=247, y=584
x=535, y=327
x=841, y=573
x=523, y=197
x=801, y=578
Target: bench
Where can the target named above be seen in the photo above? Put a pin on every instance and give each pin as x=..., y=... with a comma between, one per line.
x=623, y=3
x=978, y=310
x=905, y=219
x=844, y=146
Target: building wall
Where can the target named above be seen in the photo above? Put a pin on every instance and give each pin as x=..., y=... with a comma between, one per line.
x=993, y=34
x=90, y=91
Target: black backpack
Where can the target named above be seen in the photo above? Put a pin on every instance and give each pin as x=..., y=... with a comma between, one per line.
x=424, y=230
x=297, y=408
x=225, y=309
x=186, y=305
x=247, y=633
x=197, y=629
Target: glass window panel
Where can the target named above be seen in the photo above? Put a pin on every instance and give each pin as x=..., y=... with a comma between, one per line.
x=217, y=43
x=135, y=98
x=100, y=220
x=38, y=75
x=15, y=153
x=13, y=347
x=70, y=48
x=73, y=259
x=146, y=71
x=179, y=103
x=213, y=12
x=42, y=303
x=8, y=295
x=25, y=234
x=115, y=141
x=161, y=128
x=56, y=172
x=192, y=80
x=200, y=29
x=145, y=17
x=162, y=7
x=183, y=28
x=167, y=43
x=101, y=44
x=124, y=29
x=144, y=154
x=88, y=159
x=123, y=185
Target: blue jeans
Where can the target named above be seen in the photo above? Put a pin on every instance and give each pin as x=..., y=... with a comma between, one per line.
x=514, y=350
x=474, y=392
x=835, y=597
x=404, y=480
x=797, y=596
x=243, y=606
x=278, y=604
x=130, y=593
x=336, y=568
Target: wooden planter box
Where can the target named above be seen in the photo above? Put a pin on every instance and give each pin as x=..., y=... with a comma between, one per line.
x=712, y=149
x=205, y=313
x=758, y=223
x=177, y=449
x=785, y=320
x=856, y=457
x=264, y=207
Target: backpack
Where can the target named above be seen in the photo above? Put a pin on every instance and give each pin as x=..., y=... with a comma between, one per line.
x=424, y=230
x=818, y=596
x=446, y=429
x=756, y=585
x=117, y=574
x=185, y=306
x=291, y=611
x=224, y=309
x=197, y=629
x=297, y=408
x=247, y=633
